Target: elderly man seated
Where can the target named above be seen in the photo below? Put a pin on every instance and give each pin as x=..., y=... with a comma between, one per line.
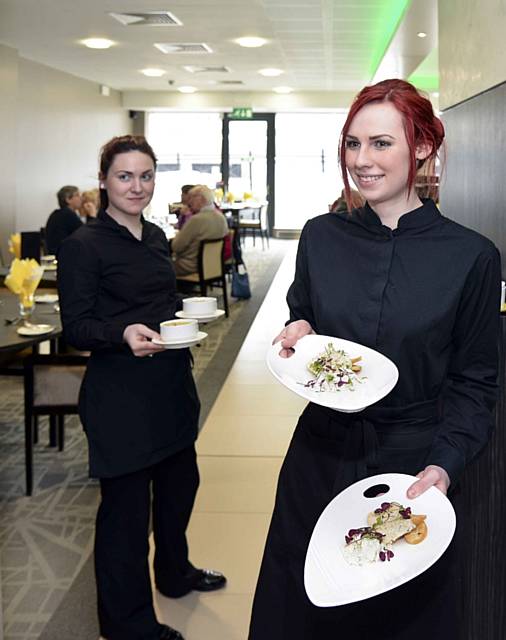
x=207, y=223
x=65, y=220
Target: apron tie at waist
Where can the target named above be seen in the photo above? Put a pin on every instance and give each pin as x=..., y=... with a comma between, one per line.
x=409, y=426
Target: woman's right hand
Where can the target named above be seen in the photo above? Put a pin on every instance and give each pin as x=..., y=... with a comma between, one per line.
x=138, y=337
x=290, y=335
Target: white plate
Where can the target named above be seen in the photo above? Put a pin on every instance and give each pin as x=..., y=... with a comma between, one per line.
x=35, y=329
x=181, y=344
x=381, y=373
x=46, y=297
x=330, y=581
x=49, y=267
x=209, y=318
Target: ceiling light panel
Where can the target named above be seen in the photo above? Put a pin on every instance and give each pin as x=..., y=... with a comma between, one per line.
x=147, y=19
x=183, y=47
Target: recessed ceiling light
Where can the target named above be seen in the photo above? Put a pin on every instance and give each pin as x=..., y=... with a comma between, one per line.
x=283, y=89
x=187, y=89
x=270, y=73
x=251, y=41
x=421, y=34
x=97, y=43
x=153, y=73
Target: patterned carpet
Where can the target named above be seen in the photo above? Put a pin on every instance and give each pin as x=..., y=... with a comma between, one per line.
x=45, y=540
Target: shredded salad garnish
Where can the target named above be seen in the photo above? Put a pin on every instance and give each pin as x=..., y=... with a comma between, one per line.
x=333, y=370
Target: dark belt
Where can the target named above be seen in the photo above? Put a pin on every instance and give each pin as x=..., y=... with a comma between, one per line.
x=415, y=423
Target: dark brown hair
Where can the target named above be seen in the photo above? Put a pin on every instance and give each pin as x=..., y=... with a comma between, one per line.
x=421, y=126
x=115, y=146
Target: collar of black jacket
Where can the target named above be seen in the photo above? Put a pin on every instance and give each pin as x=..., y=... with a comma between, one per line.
x=415, y=220
x=106, y=220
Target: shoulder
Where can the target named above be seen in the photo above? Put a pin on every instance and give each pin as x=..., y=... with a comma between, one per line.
x=324, y=222
x=469, y=239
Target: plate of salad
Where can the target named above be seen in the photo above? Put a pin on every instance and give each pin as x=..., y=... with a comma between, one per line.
x=335, y=373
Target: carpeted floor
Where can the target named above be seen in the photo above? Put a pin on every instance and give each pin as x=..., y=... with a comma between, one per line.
x=46, y=541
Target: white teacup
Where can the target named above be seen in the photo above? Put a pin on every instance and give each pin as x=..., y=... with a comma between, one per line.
x=200, y=306
x=178, y=330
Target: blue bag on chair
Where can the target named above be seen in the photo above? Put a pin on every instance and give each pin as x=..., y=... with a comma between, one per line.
x=240, y=284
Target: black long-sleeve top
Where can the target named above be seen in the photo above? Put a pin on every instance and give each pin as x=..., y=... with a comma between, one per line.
x=60, y=224
x=108, y=279
x=427, y=296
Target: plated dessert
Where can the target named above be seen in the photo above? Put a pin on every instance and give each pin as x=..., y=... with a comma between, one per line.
x=177, y=330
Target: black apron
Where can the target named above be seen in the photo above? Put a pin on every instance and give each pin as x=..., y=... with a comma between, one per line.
x=329, y=451
x=137, y=411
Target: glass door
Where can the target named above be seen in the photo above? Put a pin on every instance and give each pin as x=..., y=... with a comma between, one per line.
x=248, y=160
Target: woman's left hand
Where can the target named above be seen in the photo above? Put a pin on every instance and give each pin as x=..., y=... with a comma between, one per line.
x=431, y=476
x=139, y=337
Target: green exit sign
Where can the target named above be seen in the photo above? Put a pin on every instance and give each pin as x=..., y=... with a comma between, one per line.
x=242, y=113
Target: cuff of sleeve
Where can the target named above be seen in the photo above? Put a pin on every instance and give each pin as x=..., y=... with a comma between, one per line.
x=115, y=333
x=451, y=461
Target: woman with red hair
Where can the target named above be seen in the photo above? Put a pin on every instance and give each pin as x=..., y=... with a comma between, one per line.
x=397, y=276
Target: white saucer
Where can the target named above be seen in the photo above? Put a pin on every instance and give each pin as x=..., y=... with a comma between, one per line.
x=35, y=329
x=49, y=267
x=181, y=344
x=208, y=318
x=46, y=297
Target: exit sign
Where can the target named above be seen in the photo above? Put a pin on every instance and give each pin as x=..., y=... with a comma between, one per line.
x=242, y=113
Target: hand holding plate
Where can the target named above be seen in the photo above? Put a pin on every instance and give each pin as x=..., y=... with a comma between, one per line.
x=430, y=476
x=290, y=335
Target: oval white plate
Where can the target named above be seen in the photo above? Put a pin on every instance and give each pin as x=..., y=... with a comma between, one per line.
x=209, y=318
x=380, y=373
x=35, y=329
x=181, y=344
x=330, y=581
x=46, y=297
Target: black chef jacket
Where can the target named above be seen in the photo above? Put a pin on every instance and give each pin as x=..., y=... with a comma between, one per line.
x=135, y=411
x=427, y=296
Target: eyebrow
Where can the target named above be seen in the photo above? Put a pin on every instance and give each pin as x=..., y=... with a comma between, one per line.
x=131, y=173
x=381, y=135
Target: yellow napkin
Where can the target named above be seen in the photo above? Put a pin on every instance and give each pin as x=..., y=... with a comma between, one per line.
x=23, y=279
x=247, y=195
x=218, y=194
x=15, y=245
x=230, y=197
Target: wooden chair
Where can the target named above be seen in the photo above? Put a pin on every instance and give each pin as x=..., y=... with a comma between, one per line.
x=52, y=384
x=211, y=269
x=255, y=219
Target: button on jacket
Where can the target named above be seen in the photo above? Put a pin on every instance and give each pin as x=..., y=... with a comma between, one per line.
x=136, y=411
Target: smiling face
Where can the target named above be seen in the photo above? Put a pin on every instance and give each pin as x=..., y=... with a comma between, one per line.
x=129, y=183
x=378, y=157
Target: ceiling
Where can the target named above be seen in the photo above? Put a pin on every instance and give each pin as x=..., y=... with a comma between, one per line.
x=322, y=45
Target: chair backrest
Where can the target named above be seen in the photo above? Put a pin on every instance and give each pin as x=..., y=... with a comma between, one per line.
x=263, y=218
x=250, y=214
x=54, y=380
x=211, y=259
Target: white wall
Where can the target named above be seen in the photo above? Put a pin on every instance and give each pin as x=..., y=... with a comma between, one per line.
x=62, y=121
x=471, y=48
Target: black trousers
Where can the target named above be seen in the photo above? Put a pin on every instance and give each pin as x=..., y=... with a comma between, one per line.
x=168, y=488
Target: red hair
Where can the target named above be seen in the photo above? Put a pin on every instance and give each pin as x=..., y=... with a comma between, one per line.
x=421, y=126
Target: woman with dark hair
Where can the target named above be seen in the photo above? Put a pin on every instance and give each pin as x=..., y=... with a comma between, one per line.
x=117, y=283
x=396, y=276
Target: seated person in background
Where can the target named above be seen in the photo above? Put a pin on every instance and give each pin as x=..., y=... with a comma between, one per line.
x=63, y=221
x=206, y=223
x=182, y=210
x=90, y=204
x=340, y=204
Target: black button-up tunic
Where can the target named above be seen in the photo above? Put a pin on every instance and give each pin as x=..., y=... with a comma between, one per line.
x=135, y=411
x=427, y=296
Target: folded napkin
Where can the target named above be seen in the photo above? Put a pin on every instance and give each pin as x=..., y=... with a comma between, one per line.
x=230, y=197
x=23, y=278
x=15, y=245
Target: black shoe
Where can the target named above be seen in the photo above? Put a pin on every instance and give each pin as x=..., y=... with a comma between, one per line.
x=208, y=580
x=168, y=633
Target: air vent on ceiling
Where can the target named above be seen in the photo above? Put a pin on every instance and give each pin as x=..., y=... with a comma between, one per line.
x=230, y=82
x=183, y=47
x=195, y=68
x=147, y=19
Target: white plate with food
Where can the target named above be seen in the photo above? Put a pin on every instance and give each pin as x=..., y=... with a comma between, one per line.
x=34, y=329
x=347, y=563
x=205, y=318
x=181, y=344
x=334, y=373
x=46, y=298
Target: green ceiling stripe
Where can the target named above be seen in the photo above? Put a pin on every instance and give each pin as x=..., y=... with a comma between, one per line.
x=390, y=15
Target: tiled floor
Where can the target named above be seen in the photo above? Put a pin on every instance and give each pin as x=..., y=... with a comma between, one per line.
x=240, y=452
